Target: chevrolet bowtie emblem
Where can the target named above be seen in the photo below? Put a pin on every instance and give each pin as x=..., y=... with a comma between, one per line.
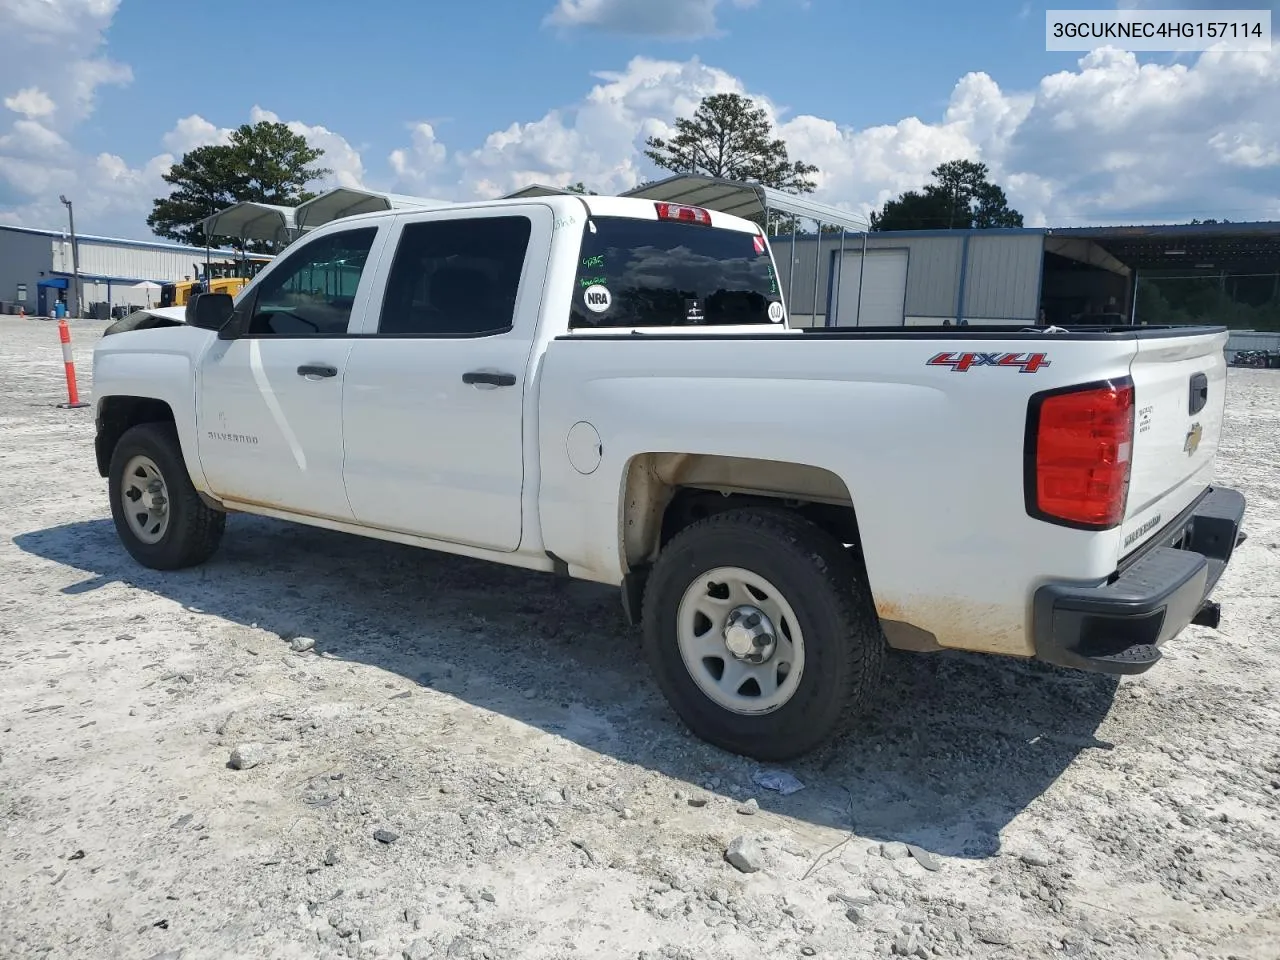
x=1192, y=443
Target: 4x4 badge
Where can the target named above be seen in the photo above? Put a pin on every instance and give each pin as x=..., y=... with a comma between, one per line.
x=1192, y=443
x=963, y=362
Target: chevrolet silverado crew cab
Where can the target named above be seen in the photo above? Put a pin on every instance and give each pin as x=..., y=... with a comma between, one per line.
x=608, y=388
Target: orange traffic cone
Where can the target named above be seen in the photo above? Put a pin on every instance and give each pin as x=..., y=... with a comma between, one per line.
x=73, y=395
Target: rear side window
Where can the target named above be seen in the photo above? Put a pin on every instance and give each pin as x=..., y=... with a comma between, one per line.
x=455, y=278
x=660, y=273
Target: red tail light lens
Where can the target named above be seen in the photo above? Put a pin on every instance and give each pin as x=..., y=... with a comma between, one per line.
x=1080, y=449
x=676, y=211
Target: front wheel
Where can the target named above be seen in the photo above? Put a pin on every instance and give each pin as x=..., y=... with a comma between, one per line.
x=158, y=514
x=760, y=634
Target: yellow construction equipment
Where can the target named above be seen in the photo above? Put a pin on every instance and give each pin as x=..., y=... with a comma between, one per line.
x=224, y=276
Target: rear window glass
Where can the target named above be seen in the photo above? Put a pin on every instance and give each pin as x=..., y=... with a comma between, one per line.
x=659, y=273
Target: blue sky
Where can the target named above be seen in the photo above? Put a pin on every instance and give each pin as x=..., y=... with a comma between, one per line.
x=396, y=59
x=460, y=100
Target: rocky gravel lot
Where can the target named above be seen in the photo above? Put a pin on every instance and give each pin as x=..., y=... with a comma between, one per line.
x=321, y=746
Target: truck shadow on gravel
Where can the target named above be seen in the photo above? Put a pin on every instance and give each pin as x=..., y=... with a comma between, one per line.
x=956, y=747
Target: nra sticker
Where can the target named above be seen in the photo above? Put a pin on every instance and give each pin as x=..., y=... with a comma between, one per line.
x=693, y=311
x=597, y=298
x=775, y=312
x=758, y=242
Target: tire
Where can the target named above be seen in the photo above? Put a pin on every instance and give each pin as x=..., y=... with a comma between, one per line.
x=190, y=531
x=818, y=589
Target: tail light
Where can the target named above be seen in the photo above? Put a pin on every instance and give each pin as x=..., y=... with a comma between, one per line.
x=1079, y=450
x=684, y=214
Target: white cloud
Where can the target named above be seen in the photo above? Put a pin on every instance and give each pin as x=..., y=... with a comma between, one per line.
x=423, y=161
x=194, y=131
x=1111, y=140
x=30, y=138
x=1116, y=135
x=671, y=19
x=859, y=169
x=598, y=141
x=60, y=42
x=52, y=87
x=111, y=197
x=1250, y=145
x=31, y=102
x=56, y=20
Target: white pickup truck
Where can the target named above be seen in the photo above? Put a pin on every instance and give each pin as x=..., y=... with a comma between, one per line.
x=609, y=389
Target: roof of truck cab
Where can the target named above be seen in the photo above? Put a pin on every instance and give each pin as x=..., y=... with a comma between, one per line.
x=647, y=209
x=600, y=206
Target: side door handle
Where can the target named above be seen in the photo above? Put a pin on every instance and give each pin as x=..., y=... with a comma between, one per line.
x=319, y=371
x=492, y=379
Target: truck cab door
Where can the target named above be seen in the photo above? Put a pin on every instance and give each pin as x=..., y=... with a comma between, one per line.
x=270, y=402
x=433, y=409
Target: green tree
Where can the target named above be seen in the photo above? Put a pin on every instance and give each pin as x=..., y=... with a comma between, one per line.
x=580, y=188
x=728, y=136
x=264, y=162
x=960, y=198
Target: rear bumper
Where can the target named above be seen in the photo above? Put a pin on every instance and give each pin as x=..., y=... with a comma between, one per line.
x=1118, y=627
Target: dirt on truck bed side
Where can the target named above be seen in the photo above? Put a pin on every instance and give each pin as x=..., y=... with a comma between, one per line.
x=322, y=746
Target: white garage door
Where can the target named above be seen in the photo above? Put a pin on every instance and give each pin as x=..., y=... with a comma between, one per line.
x=884, y=289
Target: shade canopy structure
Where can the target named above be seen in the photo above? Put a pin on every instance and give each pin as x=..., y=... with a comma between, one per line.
x=1083, y=250
x=145, y=285
x=348, y=202
x=1245, y=247
x=250, y=220
x=537, y=190
x=751, y=201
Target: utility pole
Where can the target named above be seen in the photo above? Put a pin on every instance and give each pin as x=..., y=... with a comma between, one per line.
x=75, y=257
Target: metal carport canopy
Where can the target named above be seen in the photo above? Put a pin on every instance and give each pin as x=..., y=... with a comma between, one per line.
x=249, y=220
x=741, y=199
x=348, y=202
x=538, y=190
x=735, y=197
x=1246, y=246
x=1084, y=251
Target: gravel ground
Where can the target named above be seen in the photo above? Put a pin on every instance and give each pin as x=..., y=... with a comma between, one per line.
x=322, y=746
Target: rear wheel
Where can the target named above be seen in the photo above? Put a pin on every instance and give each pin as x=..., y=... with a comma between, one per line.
x=158, y=514
x=760, y=633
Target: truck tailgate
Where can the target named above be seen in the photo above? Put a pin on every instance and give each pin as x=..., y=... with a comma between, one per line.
x=1179, y=395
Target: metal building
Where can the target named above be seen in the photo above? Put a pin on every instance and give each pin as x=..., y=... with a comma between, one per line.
x=927, y=278
x=1073, y=275
x=36, y=270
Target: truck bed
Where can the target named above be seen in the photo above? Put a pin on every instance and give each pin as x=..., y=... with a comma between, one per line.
x=925, y=427
x=1013, y=331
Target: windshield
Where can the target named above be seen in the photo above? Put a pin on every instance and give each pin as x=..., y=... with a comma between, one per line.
x=659, y=273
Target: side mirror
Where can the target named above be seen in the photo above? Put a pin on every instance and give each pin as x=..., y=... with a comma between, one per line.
x=209, y=311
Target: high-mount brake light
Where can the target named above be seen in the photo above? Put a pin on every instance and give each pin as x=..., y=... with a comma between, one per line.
x=684, y=214
x=1079, y=452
